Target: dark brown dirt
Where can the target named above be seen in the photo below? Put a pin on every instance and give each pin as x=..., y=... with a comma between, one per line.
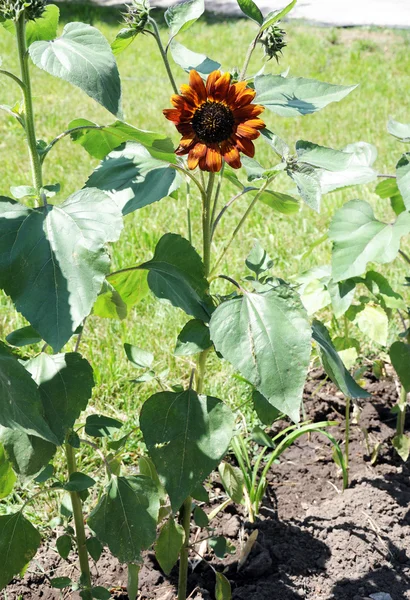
x=314, y=542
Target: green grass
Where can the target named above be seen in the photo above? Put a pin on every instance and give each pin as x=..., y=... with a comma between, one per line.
x=377, y=60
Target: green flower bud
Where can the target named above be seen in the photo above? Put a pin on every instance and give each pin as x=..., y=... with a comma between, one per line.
x=137, y=16
x=12, y=9
x=273, y=41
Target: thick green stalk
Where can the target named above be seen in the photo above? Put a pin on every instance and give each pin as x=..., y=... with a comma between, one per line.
x=207, y=224
x=347, y=433
x=185, y=520
x=79, y=523
x=28, y=105
x=401, y=415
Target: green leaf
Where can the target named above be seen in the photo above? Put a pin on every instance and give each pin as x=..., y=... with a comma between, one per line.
x=232, y=480
x=7, y=476
x=380, y=287
x=400, y=359
x=219, y=546
x=45, y=474
x=359, y=238
x=140, y=358
x=177, y=274
x=19, y=542
x=64, y=545
x=333, y=364
x=83, y=57
x=387, y=188
x=249, y=8
x=275, y=16
x=261, y=437
x=200, y=517
x=60, y=582
x=180, y=17
x=57, y=286
x=402, y=445
x=28, y=454
x=399, y=130
x=169, y=544
x=186, y=436
x=258, y=260
x=109, y=304
x=94, y=548
x=126, y=517
x=276, y=143
x=374, y=323
x=44, y=28
x=132, y=581
x=223, y=587
x=133, y=178
x=281, y=203
x=403, y=178
x=23, y=337
x=65, y=382
x=21, y=408
x=194, y=338
x=308, y=184
x=187, y=60
x=199, y=493
x=266, y=337
x=101, y=426
x=23, y=191
x=132, y=286
x=78, y=482
x=294, y=96
x=322, y=157
x=100, y=142
x=101, y=593
x=264, y=409
x=123, y=39
x=360, y=171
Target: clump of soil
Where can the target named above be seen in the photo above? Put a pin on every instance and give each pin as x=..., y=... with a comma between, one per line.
x=314, y=542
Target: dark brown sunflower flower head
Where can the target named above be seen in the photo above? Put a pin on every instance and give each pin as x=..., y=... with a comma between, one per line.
x=137, y=16
x=216, y=119
x=12, y=9
x=273, y=41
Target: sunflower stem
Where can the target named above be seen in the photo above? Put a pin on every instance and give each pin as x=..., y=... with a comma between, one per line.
x=218, y=191
x=206, y=223
x=240, y=225
x=185, y=520
x=188, y=211
x=163, y=54
x=248, y=57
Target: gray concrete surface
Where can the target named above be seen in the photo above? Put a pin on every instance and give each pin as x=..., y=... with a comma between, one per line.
x=338, y=13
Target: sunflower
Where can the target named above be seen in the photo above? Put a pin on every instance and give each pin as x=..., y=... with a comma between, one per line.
x=217, y=120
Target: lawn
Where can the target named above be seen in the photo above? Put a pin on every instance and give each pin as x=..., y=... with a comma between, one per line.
x=377, y=60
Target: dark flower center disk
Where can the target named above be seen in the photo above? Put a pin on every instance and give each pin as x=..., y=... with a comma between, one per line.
x=213, y=122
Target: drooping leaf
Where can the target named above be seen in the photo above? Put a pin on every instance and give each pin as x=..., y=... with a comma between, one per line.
x=83, y=57
x=374, y=323
x=279, y=202
x=187, y=60
x=101, y=426
x=387, y=188
x=65, y=382
x=186, y=436
x=94, y=548
x=403, y=178
x=193, y=338
x=322, y=157
x=28, y=454
x=266, y=337
x=56, y=288
x=123, y=39
x=402, y=445
x=23, y=337
x=64, y=545
x=359, y=238
x=132, y=286
x=133, y=178
x=200, y=517
x=333, y=364
x=126, y=517
x=109, y=304
x=378, y=285
x=181, y=16
x=258, y=260
x=7, y=476
x=264, y=409
x=232, y=480
x=277, y=15
x=223, y=587
x=169, y=544
x=294, y=96
x=400, y=358
x=139, y=357
x=401, y=131
x=308, y=184
x=177, y=274
x=21, y=407
x=100, y=140
x=19, y=542
x=249, y=8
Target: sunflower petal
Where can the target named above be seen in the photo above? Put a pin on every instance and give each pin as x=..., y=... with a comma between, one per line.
x=234, y=90
x=195, y=154
x=172, y=114
x=244, y=98
x=222, y=86
x=249, y=111
x=247, y=132
x=255, y=123
x=190, y=95
x=196, y=83
x=213, y=159
x=231, y=154
x=210, y=83
x=244, y=145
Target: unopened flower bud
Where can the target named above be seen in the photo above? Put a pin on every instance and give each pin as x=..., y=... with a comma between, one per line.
x=13, y=9
x=273, y=41
x=137, y=16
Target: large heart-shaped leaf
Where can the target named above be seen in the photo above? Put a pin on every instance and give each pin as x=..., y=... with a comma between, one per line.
x=126, y=517
x=358, y=238
x=169, y=544
x=187, y=436
x=65, y=382
x=359, y=171
x=181, y=16
x=20, y=403
x=333, y=364
x=43, y=28
x=100, y=140
x=176, y=273
x=308, y=184
x=267, y=337
x=322, y=157
x=83, y=57
x=19, y=542
x=53, y=260
x=294, y=96
x=27, y=453
x=134, y=178
x=403, y=178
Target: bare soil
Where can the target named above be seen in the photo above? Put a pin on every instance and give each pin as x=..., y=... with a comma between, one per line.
x=314, y=542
